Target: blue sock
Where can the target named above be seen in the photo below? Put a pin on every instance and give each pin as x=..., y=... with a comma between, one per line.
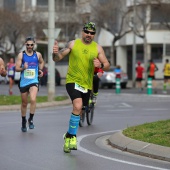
x=73, y=124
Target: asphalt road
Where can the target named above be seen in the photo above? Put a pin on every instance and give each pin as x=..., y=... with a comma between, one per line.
x=41, y=148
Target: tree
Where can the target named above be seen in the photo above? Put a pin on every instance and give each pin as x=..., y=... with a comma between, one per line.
x=13, y=32
x=112, y=15
x=142, y=22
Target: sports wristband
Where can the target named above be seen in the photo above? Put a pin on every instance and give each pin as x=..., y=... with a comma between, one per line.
x=102, y=65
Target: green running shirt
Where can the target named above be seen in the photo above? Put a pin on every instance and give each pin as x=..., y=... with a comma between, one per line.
x=81, y=68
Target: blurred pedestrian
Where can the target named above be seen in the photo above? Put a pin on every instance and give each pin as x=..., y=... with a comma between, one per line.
x=139, y=76
x=30, y=63
x=152, y=68
x=118, y=71
x=44, y=78
x=166, y=71
x=11, y=74
x=3, y=71
x=98, y=72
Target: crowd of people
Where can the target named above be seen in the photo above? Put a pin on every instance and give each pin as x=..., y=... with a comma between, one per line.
x=151, y=70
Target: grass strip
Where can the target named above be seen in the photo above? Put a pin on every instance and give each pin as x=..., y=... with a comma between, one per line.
x=13, y=100
x=156, y=132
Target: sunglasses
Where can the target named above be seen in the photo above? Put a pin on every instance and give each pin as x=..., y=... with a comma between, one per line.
x=30, y=45
x=88, y=32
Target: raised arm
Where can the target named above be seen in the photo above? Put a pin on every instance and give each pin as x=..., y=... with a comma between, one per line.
x=59, y=55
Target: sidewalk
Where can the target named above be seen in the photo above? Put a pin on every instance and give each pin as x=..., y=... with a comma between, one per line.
x=118, y=140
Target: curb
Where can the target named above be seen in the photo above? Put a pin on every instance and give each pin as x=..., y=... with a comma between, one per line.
x=38, y=105
x=119, y=141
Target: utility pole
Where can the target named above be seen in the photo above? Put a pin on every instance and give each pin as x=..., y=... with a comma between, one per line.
x=134, y=46
x=51, y=63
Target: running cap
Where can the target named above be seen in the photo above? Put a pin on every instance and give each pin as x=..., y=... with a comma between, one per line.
x=139, y=62
x=90, y=26
x=30, y=38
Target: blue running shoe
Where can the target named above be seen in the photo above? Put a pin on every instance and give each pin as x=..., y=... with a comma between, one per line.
x=30, y=123
x=24, y=126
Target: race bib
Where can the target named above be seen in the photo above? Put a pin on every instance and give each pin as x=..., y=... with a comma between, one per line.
x=80, y=88
x=11, y=73
x=29, y=73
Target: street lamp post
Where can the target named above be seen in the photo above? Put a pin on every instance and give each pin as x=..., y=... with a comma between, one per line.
x=134, y=46
x=51, y=64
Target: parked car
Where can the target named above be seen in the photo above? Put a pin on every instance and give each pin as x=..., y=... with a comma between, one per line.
x=109, y=79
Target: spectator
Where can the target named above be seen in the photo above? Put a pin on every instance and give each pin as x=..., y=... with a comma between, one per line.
x=44, y=78
x=166, y=71
x=152, y=68
x=98, y=72
x=118, y=71
x=139, y=76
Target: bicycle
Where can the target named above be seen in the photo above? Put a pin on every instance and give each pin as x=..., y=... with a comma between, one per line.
x=87, y=112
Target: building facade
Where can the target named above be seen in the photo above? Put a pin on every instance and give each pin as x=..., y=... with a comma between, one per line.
x=71, y=14
x=157, y=36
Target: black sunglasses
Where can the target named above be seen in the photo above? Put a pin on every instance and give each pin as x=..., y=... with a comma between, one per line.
x=30, y=45
x=88, y=32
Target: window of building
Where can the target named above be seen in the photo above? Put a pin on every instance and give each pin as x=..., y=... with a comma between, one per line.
x=167, y=49
x=42, y=3
x=157, y=52
x=160, y=13
x=70, y=2
x=10, y=5
x=139, y=54
x=65, y=3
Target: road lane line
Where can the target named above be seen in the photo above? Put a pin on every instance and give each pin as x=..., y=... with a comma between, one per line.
x=80, y=138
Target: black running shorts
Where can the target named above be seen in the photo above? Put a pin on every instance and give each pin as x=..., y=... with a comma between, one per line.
x=27, y=88
x=74, y=94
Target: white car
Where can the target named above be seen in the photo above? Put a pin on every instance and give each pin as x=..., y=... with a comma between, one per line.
x=109, y=79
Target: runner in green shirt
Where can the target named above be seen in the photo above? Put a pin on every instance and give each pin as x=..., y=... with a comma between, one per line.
x=84, y=55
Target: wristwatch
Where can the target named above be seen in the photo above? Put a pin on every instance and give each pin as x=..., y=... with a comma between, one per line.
x=102, y=65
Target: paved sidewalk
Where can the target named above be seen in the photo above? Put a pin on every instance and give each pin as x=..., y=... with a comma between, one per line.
x=118, y=140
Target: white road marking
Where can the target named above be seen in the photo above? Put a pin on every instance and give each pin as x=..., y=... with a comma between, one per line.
x=120, y=110
x=110, y=158
x=118, y=105
x=155, y=109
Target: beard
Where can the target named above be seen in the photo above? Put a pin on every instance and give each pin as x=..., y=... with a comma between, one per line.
x=29, y=50
x=88, y=39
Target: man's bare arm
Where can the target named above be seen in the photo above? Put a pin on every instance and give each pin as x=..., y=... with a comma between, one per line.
x=102, y=58
x=41, y=61
x=58, y=55
x=18, y=67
